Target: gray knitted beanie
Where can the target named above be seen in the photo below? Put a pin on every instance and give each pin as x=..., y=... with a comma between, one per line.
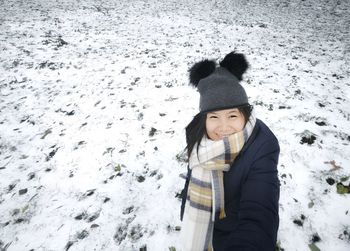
x=219, y=87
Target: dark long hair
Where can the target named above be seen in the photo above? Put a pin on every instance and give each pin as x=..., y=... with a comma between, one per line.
x=196, y=129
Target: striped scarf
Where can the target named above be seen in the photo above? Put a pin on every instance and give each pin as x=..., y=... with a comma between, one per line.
x=205, y=196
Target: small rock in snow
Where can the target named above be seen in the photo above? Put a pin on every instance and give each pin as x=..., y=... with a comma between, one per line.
x=31, y=176
x=68, y=245
x=80, y=216
x=93, y=217
x=308, y=139
x=315, y=238
x=140, y=178
x=128, y=210
x=22, y=191
x=330, y=181
x=320, y=123
x=298, y=222
x=82, y=235
x=152, y=132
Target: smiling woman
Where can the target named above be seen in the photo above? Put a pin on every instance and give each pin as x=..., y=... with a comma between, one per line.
x=220, y=124
x=230, y=198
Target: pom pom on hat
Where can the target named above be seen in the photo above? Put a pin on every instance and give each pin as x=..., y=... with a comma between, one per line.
x=201, y=70
x=235, y=63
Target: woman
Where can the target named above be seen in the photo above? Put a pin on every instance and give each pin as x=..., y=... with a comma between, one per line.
x=230, y=199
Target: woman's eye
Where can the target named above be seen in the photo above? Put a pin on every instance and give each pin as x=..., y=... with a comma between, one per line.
x=213, y=117
x=233, y=116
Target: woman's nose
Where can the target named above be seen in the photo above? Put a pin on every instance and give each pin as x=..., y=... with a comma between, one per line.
x=224, y=126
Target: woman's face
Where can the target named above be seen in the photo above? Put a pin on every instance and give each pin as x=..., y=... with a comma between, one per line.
x=223, y=123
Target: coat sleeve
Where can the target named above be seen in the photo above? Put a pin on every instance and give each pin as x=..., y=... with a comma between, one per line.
x=258, y=218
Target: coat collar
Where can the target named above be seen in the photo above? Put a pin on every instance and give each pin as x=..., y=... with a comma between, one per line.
x=252, y=137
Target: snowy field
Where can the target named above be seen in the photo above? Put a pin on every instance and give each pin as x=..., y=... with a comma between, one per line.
x=94, y=99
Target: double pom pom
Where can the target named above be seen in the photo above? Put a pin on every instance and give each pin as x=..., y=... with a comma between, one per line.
x=235, y=63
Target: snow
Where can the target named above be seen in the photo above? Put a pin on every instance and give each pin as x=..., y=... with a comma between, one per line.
x=94, y=99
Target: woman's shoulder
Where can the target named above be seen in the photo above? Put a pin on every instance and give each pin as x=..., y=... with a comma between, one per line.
x=263, y=149
x=264, y=133
x=261, y=138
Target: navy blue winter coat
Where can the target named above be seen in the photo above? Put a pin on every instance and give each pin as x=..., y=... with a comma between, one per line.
x=251, y=196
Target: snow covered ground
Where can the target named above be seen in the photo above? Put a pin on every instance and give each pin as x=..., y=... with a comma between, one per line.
x=94, y=99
